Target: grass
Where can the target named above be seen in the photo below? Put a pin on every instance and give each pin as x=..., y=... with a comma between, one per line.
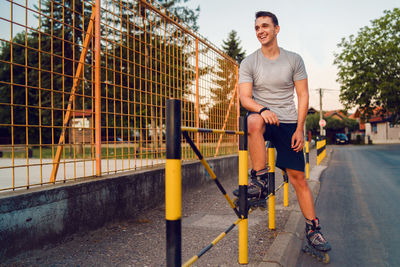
x=112, y=151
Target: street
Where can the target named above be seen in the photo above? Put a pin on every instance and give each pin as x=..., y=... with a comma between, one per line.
x=359, y=208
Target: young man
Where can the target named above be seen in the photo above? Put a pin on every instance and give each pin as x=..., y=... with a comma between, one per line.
x=267, y=79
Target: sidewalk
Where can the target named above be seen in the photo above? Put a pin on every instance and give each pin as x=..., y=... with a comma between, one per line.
x=205, y=214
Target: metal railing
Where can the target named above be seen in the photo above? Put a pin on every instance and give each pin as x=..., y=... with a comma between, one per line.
x=83, y=87
x=242, y=207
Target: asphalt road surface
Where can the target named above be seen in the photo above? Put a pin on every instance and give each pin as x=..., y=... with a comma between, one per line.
x=359, y=206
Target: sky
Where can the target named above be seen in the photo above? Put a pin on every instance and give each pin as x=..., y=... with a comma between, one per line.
x=311, y=28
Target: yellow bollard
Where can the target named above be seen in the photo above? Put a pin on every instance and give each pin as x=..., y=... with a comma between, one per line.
x=173, y=184
x=307, y=160
x=285, y=189
x=271, y=187
x=243, y=210
x=321, y=150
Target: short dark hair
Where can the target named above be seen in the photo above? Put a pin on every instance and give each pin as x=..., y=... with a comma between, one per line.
x=267, y=14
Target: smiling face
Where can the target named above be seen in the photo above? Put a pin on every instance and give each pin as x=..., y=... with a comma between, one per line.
x=266, y=31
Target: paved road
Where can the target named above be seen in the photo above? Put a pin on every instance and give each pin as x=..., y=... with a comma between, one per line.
x=359, y=206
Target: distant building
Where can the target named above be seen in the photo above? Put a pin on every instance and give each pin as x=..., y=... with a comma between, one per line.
x=361, y=129
x=80, y=127
x=336, y=114
x=311, y=110
x=380, y=130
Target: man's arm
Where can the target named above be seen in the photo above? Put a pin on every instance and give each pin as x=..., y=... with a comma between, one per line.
x=247, y=101
x=302, y=97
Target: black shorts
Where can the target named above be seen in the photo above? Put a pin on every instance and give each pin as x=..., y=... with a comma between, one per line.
x=281, y=137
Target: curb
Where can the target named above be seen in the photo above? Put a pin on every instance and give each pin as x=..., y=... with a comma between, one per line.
x=286, y=247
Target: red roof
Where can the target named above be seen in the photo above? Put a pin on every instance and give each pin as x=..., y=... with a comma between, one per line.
x=337, y=113
x=377, y=116
x=352, y=116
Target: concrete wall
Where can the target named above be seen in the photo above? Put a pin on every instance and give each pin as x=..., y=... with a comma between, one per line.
x=33, y=218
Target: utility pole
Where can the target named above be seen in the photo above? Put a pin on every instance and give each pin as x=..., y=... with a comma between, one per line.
x=320, y=112
x=321, y=127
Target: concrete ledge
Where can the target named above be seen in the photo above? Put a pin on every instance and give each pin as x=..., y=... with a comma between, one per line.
x=286, y=243
x=33, y=218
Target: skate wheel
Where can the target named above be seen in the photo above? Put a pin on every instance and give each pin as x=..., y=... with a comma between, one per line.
x=326, y=258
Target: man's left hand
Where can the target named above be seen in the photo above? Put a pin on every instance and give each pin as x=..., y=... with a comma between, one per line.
x=297, y=141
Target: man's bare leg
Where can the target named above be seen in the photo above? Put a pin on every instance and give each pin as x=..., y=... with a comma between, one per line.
x=256, y=128
x=303, y=192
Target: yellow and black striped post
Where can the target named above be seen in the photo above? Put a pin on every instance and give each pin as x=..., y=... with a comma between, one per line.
x=271, y=186
x=243, y=210
x=285, y=189
x=321, y=149
x=307, y=159
x=173, y=184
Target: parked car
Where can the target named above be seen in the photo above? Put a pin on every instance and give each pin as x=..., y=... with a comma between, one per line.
x=341, y=138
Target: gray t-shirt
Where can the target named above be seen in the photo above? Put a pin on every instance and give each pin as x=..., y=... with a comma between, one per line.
x=273, y=81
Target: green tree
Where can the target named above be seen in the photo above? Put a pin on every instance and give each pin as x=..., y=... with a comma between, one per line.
x=55, y=46
x=333, y=125
x=49, y=53
x=231, y=46
x=369, y=66
x=178, y=9
x=13, y=93
x=312, y=123
x=157, y=54
x=226, y=80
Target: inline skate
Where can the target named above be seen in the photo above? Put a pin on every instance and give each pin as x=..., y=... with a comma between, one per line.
x=257, y=190
x=316, y=245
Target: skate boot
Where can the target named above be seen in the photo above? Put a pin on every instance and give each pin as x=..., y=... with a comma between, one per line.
x=316, y=244
x=257, y=190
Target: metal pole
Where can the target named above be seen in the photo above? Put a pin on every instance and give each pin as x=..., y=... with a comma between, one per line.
x=197, y=94
x=243, y=210
x=307, y=159
x=271, y=186
x=320, y=112
x=173, y=184
x=68, y=113
x=97, y=74
x=285, y=189
x=237, y=95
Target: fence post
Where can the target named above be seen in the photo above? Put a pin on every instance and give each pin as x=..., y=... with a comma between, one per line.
x=197, y=93
x=285, y=189
x=173, y=183
x=271, y=186
x=243, y=210
x=97, y=73
x=307, y=159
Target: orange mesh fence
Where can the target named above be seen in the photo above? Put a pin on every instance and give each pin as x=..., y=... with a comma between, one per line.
x=48, y=103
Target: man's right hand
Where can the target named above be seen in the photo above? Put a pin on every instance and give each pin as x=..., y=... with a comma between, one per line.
x=270, y=117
